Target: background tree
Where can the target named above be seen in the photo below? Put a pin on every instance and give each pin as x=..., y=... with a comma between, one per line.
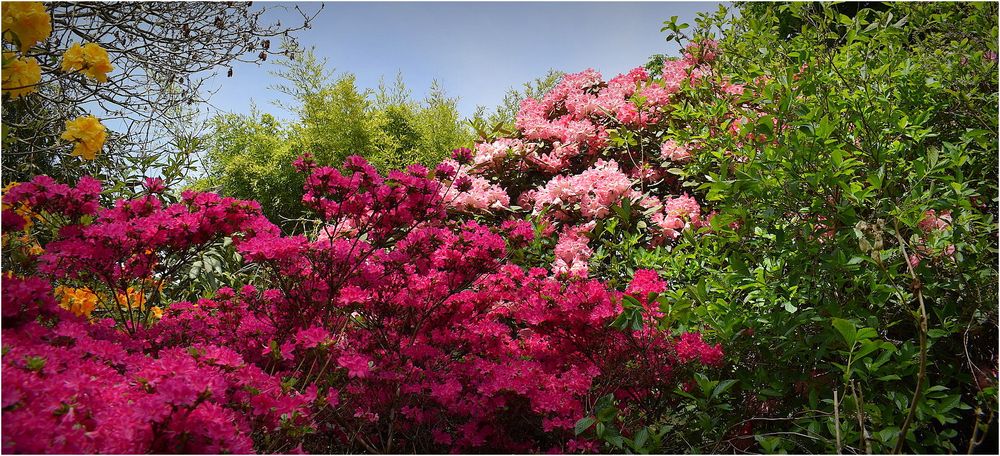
x=164, y=56
x=251, y=155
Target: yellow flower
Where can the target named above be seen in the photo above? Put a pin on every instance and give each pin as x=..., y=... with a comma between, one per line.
x=90, y=58
x=80, y=301
x=88, y=134
x=157, y=312
x=27, y=21
x=21, y=75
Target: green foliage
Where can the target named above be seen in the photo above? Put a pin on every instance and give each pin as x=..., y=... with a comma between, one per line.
x=386, y=126
x=250, y=156
x=859, y=123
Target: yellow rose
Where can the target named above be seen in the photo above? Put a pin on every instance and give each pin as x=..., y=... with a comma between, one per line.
x=88, y=134
x=21, y=75
x=91, y=59
x=27, y=22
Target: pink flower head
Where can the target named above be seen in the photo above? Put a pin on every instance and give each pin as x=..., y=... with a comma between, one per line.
x=462, y=155
x=644, y=283
x=691, y=347
x=356, y=364
x=153, y=185
x=670, y=150
x=312, y=337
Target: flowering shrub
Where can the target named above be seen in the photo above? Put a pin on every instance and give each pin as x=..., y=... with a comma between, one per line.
x=589, y=146
x=392, y=327
x=563, y=288
x=88, y=387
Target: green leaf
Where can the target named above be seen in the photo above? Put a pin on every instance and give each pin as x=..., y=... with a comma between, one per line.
x=846, y=329
x=584, y=424
x=640, y=438
x=722, y=387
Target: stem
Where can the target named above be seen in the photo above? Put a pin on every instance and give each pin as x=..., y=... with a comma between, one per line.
x=922, y=326
x=859, y=409
x=836, y=419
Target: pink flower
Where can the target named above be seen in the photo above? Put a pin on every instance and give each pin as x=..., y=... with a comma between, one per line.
x=356, y=364
x=670, y=150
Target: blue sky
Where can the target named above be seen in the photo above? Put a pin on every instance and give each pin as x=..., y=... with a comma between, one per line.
x=477, y=50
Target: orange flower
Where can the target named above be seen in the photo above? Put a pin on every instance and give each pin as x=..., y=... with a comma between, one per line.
x=80, y=301
x=131, y=299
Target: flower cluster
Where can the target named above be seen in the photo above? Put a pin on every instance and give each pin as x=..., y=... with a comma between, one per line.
x=26, y=23
x=590, y=193
x=76, y=387
x=87, y=135
x=471, y=192
x=590, y=145
x=91, y=59
x=20, y=75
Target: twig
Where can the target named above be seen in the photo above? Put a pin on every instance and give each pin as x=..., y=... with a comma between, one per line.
x=836, y=420
x=922, y=326
x=859, y=409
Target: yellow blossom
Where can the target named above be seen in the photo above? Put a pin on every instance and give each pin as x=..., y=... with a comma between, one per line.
x=7, y=188
x=21, y=75
x=80, y=301
x=90, y=58
x=157, y=312
x=88, y=134
x=27, y=21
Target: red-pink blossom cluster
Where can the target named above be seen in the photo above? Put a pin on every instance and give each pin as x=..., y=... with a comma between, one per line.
x=79, y=387
x=408, y=329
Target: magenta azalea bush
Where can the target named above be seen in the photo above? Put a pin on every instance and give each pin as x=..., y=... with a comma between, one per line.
x=392, y=327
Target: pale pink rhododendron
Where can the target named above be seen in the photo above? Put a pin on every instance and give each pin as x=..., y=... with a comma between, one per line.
x=590, y=193
x=571, y=252
x=672, y=151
